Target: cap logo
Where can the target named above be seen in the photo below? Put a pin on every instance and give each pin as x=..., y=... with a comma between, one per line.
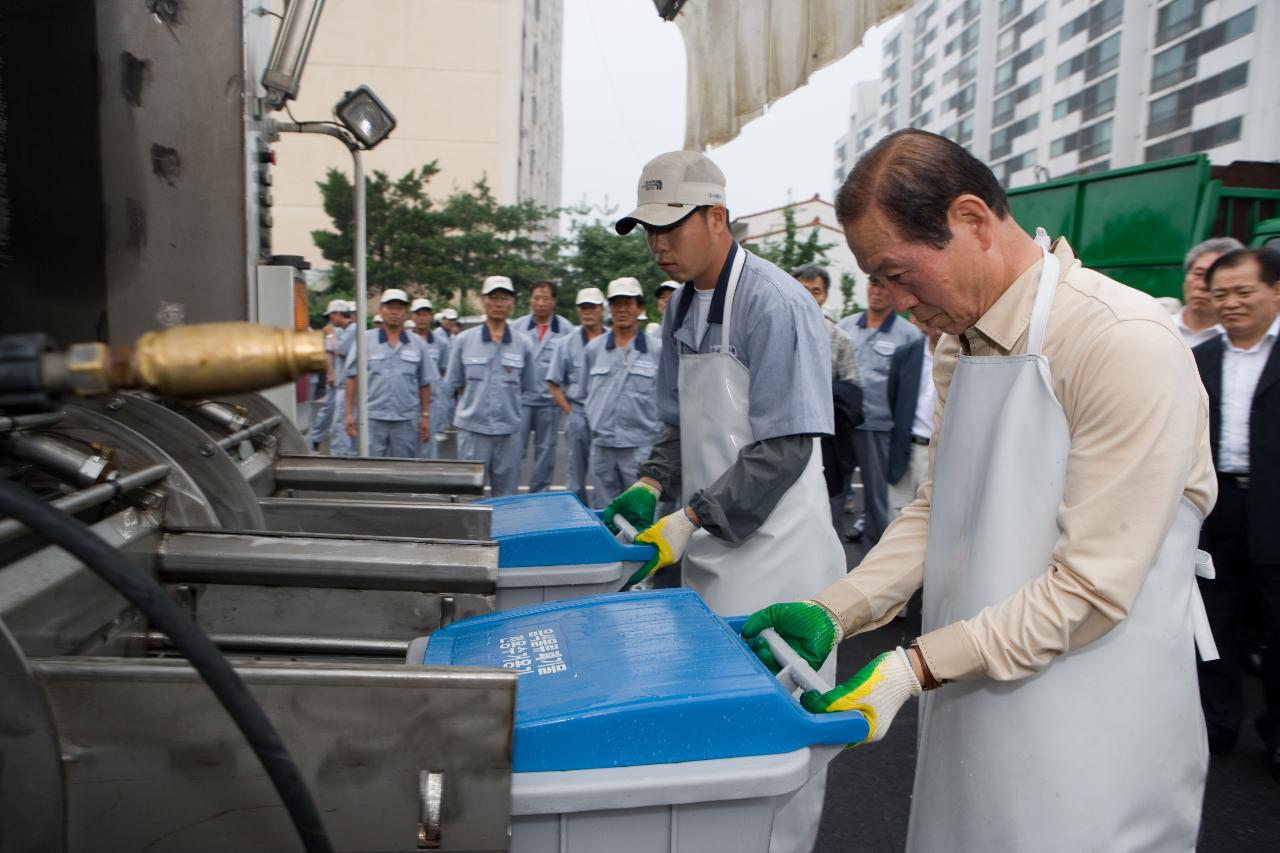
x=654, y=184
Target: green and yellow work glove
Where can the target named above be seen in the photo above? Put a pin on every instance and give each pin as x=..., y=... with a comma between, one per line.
x=638, y=505
x=806, y=626
x=879, y=690
x=670, y=535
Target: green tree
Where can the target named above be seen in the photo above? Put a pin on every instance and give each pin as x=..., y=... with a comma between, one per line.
x=791, y=252
x=441, y=250
x=849, y=304
x=595, y=254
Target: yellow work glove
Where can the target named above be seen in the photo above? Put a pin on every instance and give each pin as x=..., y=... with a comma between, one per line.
x=878, y=690
x=670, y=535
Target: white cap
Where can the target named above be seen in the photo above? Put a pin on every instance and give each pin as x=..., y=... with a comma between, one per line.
x=393, y=294
x=337, y=306
x=377, y=319
x=421, y=305
x=589, y=296
x=667, y=285
x=625, y=287
x=447, y=314
x=351, y=306
x=671, y=186
x=497, y=282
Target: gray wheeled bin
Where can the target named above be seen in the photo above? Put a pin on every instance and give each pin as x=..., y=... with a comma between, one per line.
x=551, y=547
x=644, y=723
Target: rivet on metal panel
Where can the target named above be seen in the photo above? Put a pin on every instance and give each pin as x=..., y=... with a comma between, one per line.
x=115, y=404
x=431, y=790
x=206, y=450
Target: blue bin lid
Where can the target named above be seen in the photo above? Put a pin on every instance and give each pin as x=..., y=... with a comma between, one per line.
x=630, y=679
x=554, y=529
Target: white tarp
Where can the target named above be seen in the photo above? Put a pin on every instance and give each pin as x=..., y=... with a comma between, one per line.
x=745, y=54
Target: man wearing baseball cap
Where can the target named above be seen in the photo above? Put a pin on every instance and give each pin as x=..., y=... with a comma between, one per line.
x=422, y=313
x=568, y=387
x=662, y=296
x=402, y=372
x=339, y=319
x=744, y=393
x=344, y=344
x=544, y=327
x=448, y=322
x=492, y=365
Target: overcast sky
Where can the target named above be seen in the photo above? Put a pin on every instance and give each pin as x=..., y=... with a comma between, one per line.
x=624, y=92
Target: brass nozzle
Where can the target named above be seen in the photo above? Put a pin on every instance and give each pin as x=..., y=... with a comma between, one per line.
x=222, y=358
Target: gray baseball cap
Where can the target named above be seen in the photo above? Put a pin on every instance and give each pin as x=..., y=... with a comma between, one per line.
x=671, y=187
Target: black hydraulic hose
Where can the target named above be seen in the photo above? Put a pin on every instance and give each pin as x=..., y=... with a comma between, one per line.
x=146, y=594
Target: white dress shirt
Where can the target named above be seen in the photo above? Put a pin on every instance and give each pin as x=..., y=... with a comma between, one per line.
x=1192, y=337
x=922, y=426
x=1241, y=369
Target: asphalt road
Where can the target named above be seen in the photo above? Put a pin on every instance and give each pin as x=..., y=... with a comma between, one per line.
x=869, y=788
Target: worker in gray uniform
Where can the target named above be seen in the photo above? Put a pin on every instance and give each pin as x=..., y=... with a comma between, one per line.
x=492, y=366
x=621, y=370
x=566, y=382
x=340, y=443
x=422, y=313
x=543, y=327
x=402, y=372
x=877, y=333
x=340, y=316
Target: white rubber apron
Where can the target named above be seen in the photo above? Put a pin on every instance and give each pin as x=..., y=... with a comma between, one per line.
x=1104, y=749
x=793, y=555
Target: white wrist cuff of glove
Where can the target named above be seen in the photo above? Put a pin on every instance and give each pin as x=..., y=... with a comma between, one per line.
x=656, y=492
x=835, y=621
x=901, y=677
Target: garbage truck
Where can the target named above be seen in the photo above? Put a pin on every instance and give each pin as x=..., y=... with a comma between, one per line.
x=1136, y=224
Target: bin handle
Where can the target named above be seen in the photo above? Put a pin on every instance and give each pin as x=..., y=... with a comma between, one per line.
x=830, y=733
x=796, y=674
x=627, y=532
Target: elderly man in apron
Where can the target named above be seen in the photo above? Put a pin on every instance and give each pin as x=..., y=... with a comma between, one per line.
x=743, y=393
x=1056, y=540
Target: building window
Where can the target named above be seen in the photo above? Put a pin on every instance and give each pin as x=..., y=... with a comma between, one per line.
x=891, y=72
x=1092, y=142
x=1200, y=140
x=918, y=99
x=1177, y=18
x=1010, y=40
x=1008, y=11
x=889, y=98
x=1006, y=169
x=964, y=131
x=892, y=46
x=1002, y=139
x=923, y=120
x=1006, y=104
x=917, y=74
x=1173, y=111
x=965, y=42
x=962, y=101
x=1098, y=19
x=1178, y=63
x=965, y=12
x=1092, y=102
x=1007, y=74
x=1094, y=61
x=963, y=71
x=1098, y=166
x=924, y=41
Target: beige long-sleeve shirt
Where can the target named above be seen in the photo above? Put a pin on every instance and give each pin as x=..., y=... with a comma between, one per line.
x=1139, y=425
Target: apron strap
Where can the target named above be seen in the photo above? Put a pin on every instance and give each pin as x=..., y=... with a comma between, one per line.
x=735, y=272
x=1044, y=295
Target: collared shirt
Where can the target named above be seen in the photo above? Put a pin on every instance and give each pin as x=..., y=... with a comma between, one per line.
x=566, y=368
x=493, y=375
x=621, y=405
x=844, y=360
x=778, y=335
x=543, y=349
x=1241, y=370
x=875, y=348
x=1139, y=444
x=922, y=425
x=396, y=373
x=1194, y=338
x=438, y=343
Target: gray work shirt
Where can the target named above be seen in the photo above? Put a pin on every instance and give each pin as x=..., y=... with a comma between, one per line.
x=566, y=366
x=438, y=343
x=396, y=373
x=875, y=348
x=621, y=405
x=493, y=375
x=543, y=349
x=778, y=334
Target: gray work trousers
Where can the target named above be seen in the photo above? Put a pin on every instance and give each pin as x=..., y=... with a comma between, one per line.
x=440, y=415
x=324, y=418
x=340, y=444
x=393, y=439
x=500, y=455
x=872, y=447
x=577, y=439
x=615, y=468
x=543, y=423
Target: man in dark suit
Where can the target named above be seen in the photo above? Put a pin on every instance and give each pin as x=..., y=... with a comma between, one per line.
x=1240, y=370
x=912, y=397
